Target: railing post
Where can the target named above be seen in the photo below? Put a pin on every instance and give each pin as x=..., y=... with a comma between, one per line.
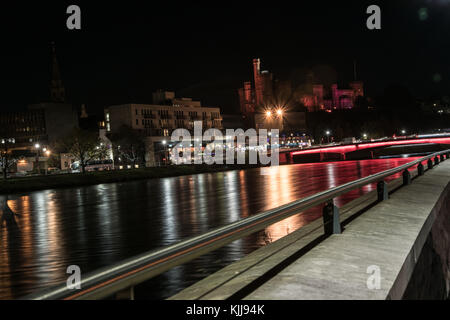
x=436, y=160
x=420, y=169
x=406, y=177
x=430, y=164
x=331, y=222
x=382, y=191
x=442, y=157
x=126, y=294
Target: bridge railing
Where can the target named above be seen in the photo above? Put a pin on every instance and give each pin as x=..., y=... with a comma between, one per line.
x=123, y=276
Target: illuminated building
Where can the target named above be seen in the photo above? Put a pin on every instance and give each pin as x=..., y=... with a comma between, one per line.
x=43, y=123
x=267, y=104
x=265, y=92
x=156, y=121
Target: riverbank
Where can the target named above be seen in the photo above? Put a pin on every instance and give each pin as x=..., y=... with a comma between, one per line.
x=26, y=184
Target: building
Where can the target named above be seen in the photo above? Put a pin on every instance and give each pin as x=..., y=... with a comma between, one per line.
x=60, y=119
x=254, y=97
x=156, y=122
x=60, y=116
x=25, y=127
x=271, y=104
x=38, y=128
x=267, y=92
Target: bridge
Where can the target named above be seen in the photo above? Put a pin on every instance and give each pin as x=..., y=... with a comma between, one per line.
x=391, y=243
x=358, y=151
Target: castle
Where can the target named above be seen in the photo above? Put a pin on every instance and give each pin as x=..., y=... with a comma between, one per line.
x=265, y=92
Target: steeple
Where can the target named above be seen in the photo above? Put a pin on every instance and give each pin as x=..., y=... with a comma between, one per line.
x=57, y=91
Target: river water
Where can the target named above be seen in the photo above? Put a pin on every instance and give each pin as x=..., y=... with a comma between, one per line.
x=98, y=225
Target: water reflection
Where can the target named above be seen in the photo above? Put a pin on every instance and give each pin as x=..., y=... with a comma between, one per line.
x=98, y=225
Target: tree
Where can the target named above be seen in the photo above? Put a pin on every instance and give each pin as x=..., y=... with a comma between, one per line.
x=6, y=157
x=84, y=146
x=128, y=144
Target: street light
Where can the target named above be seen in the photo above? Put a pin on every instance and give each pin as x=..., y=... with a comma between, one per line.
x=403, y=131
x=328, y=135
x=165, y=151
x=37, y=146
x=268, y=113
x=280, y=112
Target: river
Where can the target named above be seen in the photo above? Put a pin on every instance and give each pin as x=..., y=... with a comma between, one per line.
x=98, y=225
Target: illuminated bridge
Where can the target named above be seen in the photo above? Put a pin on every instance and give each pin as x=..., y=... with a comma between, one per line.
x=366, y=150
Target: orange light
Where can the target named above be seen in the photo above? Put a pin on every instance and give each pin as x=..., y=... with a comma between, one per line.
x=279, y=112
x=268, y=113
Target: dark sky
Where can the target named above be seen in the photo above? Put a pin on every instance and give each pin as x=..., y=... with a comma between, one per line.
x=126, y=50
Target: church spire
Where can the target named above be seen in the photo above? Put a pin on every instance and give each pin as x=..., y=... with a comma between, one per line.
x=57, y=91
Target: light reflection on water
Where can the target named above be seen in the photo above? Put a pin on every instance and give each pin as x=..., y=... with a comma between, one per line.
x=98, y=225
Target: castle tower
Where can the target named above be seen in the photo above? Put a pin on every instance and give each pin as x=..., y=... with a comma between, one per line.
x=258, y=82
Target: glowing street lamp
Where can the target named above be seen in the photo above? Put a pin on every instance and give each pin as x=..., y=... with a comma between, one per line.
x=328, y=135
x=37, y=167
x=165, y=151
x=403, y=131
x=280, y=112
x=268, y=113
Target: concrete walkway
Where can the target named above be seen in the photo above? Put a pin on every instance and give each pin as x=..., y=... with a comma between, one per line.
x=388, y=237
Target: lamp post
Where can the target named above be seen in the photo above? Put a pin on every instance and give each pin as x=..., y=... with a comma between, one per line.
x=164, y=142
x=37, y=146
x=328, y=135
x=47, y=154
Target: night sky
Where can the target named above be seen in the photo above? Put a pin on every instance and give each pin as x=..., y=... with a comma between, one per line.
x=126, y=50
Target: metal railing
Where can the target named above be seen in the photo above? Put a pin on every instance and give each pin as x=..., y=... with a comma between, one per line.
x=124, y=275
